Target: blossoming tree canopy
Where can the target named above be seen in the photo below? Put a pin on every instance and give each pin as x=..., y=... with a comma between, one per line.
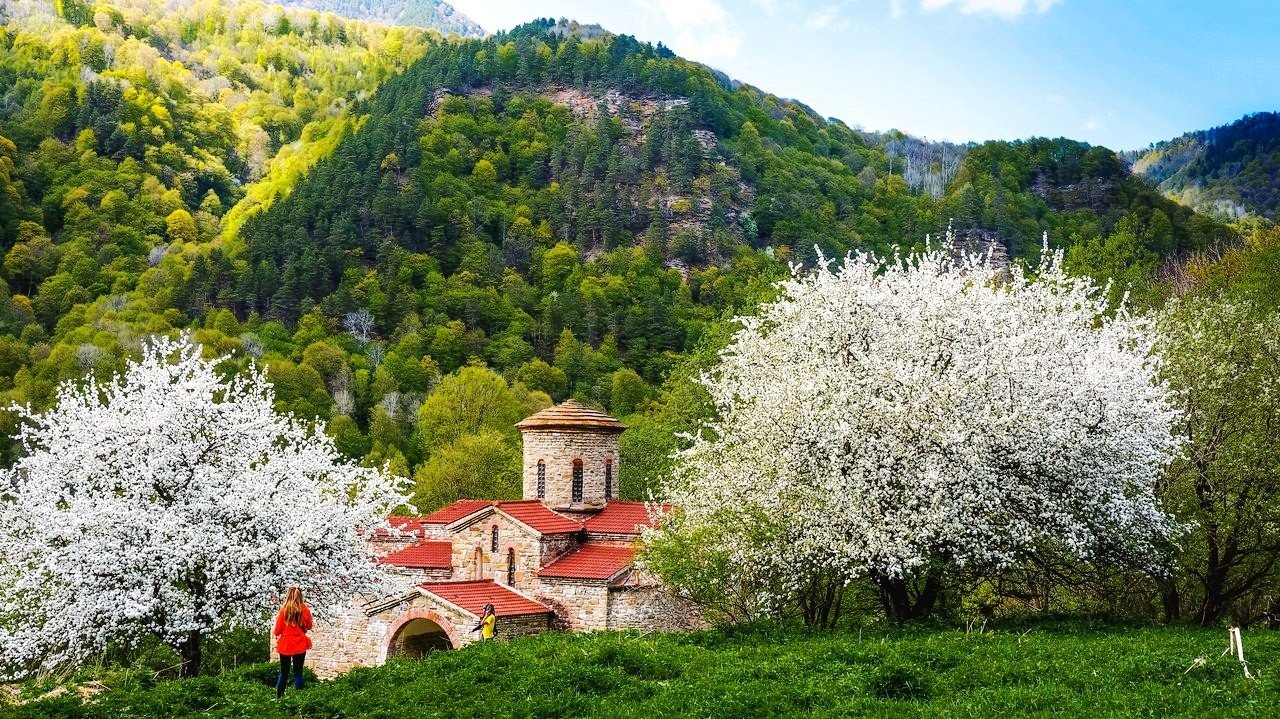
x=882, y=419
x=169, y=502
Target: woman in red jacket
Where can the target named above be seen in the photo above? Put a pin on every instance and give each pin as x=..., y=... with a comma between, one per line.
x=292, y=624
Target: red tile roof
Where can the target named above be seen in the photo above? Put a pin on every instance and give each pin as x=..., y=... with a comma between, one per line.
x=456, y=511
x=570, y=415
x=590, y=561
x=530, y=511
x=473, y=595
x=536, y=515
x=423, y=555
x=406, y=525
x=622, y=518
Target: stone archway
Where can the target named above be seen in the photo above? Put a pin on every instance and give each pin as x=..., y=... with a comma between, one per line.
x=418, y=632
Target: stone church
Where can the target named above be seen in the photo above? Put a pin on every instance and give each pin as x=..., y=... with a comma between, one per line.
x=560, y=558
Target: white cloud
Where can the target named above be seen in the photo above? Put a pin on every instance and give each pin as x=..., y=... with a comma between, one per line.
x=1097, y=122
x=703, y=30
x=687, y=12
x=1007, y=9
x=715, y=44
x=895, y=9
x=827, y=18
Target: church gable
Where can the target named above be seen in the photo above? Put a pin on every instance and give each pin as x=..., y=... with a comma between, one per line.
x=493, y=545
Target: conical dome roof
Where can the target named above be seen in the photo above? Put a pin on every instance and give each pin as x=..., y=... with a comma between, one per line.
x=571, y=415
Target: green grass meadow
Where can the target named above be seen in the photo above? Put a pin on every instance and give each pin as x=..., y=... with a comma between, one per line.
x=1070, y=668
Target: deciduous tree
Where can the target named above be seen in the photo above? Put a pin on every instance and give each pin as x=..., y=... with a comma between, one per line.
x=891, y=420
x=1223, y=358
x=167, y=502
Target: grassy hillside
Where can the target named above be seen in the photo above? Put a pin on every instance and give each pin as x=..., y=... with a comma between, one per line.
x=1063, y=669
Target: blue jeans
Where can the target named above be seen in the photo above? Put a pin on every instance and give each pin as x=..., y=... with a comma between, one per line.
x=288, y=661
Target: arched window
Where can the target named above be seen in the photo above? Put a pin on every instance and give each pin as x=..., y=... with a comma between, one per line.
x=577, y=480
x=511, y=566
x=608, y=479
x=542, y=479
x=493, y=539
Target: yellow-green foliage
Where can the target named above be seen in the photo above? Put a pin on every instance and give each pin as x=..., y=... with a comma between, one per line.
x=149, y=130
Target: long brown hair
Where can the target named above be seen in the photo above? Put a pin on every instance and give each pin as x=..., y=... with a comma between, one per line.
x=292, y=608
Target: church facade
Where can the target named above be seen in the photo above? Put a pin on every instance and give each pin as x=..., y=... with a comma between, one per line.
x=561, y=558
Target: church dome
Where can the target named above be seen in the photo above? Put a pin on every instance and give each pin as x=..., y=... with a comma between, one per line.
x=570, y=415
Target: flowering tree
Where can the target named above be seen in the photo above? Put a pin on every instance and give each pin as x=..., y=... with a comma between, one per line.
x=168, y=502
x=890, y=420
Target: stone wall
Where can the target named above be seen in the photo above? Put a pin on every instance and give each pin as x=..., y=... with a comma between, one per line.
x=356, y=638
x=627, y=539
x=385, y=543
x=524, y=626
x=360, y=635
x=650, y=608
x=554, y=545
x=579, y=605
x=348, y=640
x=417, y=575
x=558, y=449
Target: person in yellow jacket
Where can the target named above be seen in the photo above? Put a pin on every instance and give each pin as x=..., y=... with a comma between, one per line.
x=487, y=622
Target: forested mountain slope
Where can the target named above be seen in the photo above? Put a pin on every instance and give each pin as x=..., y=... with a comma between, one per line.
x=538, y=214
x=1115, y=225
x=1229, y=170
x=128, y=131
x=434, y=14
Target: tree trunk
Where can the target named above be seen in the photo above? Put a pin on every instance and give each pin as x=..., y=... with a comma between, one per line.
x=192, y=654
x=896, y=596
x=1215, y=580
x=821, y=602
x=1215, y=569
x=1170, y=599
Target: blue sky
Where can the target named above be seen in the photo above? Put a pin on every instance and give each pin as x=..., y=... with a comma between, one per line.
x=1120, y=73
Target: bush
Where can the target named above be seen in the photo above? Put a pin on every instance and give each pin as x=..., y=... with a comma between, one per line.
x=235, y=648
x=64, y=707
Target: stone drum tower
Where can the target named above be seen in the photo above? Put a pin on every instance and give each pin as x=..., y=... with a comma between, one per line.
x=571, y=457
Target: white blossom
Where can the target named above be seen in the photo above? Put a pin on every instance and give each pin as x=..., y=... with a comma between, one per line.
x=156, y=255
x=169, y=502
x=882, y=416
x=359, y=324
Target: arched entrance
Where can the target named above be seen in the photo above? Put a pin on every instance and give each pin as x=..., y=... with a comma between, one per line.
x=416, y=637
